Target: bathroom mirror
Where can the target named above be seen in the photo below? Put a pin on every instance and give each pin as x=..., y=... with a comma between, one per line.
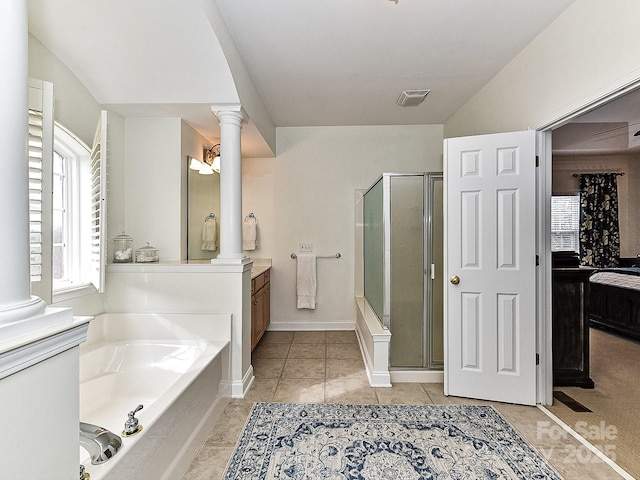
x=203, y=200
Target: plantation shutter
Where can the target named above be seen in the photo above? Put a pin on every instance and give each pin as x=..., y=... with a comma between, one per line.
x=99, y=154
x=40, y=156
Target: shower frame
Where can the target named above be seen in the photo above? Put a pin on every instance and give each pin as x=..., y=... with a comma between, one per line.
x=429, y=273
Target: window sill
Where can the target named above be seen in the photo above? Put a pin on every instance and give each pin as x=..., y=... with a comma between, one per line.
x=71, y=292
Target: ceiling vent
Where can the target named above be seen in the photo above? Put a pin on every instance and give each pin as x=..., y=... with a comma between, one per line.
x=411, y=98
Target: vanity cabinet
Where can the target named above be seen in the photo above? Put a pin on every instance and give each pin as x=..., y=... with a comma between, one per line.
x=260, y=306
x=571, y=327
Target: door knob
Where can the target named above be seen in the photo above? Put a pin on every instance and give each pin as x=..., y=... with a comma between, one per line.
x=455, y=280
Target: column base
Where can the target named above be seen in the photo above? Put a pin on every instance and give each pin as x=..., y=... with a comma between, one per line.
x=14, y=313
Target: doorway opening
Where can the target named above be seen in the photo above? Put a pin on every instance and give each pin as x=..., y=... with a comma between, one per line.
x=603, y=137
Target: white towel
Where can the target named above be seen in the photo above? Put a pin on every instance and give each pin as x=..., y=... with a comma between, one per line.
x=249, y=234
x=210, y=235
x=306, y=281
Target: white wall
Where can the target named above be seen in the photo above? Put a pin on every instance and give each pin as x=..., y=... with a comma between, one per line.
x=586, y=53
x=74, y=106
x=155, y=182
x=306, y=194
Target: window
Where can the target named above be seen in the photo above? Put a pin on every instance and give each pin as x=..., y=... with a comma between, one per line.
x=565, y=223
x=67, y=202
x=71, y=215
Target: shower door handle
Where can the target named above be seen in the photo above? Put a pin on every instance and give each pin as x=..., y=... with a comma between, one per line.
x=455, y=280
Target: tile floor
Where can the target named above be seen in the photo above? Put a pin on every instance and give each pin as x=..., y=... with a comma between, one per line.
x=328, y=367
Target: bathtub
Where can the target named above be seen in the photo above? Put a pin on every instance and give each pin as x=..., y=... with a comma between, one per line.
x=176, y=366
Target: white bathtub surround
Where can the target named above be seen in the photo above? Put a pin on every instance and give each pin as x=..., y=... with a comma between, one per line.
x=190, y=288
x=231, y=118
x=176, y=366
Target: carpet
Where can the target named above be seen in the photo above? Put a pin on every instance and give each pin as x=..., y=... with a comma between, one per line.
x=393, y=442
x=612, y=425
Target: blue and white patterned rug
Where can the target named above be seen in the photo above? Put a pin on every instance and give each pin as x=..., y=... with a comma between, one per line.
x=299, y=441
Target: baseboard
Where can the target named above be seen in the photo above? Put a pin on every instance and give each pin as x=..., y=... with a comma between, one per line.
x=417, y=376
x=295, y=326
x=239, y=389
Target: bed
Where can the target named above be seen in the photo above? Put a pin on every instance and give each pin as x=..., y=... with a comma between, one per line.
x=615, y=300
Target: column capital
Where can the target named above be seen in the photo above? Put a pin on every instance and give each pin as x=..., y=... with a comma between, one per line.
x=229, y=109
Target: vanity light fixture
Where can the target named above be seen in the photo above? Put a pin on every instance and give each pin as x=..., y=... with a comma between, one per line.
x=199, y=166
x=210, y=164
x=212, y=157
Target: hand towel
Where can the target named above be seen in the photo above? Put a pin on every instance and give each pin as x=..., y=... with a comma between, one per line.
x=306, y=281
x=249, y=234
x=210, y=235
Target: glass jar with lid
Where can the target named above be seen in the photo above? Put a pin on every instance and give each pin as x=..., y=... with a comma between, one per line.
x=123, y=249
x=147, y=254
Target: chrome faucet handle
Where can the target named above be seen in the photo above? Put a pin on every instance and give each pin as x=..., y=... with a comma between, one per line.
x=131, y=426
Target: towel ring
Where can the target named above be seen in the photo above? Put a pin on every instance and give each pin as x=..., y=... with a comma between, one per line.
x=251, y=215
x=211, y=215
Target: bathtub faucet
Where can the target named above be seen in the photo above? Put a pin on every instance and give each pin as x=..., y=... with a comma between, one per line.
x=131, y=426
x=99, y=442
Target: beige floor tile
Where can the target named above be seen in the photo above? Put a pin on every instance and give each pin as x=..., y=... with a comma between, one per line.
x=435, y=391
x=342, y=336
x=310, y=337
x=228, y=428
x=271, y=350
x=345, y=369
x=210, y=463
x=349, y=391
x=341, y=378
x=300, y=390
x=403, y=394
x=276, y=337
x=344, y=351
x=307, y=350
x=268, y=367
x=261, y=390
x=304, y=368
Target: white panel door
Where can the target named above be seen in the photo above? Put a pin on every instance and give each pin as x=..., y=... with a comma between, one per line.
x=490, y=317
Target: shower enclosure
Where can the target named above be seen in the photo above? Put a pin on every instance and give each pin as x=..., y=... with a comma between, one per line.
x=403, y=265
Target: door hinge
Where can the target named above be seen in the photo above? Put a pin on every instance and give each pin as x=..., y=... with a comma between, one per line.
x=537, y=160
x=537, y=359
x=537, y=260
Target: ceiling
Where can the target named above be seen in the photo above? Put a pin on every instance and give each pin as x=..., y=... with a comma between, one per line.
x=609, y=129
x=338, y=62
x=333, y=62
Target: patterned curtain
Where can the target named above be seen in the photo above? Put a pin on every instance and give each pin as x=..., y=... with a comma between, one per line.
x=599, y=232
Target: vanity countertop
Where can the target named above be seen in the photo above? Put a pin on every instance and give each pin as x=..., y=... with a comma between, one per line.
x=258, y=270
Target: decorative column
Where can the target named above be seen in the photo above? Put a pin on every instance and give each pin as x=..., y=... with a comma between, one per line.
x=39, y=354
x=16, y=302
x=230, y=118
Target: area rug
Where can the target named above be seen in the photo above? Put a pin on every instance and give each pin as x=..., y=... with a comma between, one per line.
x=392, y=442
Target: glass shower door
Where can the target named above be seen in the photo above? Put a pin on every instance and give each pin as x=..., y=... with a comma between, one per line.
x=407, y=232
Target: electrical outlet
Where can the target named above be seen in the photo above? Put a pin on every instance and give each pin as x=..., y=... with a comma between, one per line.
x=305, y=247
